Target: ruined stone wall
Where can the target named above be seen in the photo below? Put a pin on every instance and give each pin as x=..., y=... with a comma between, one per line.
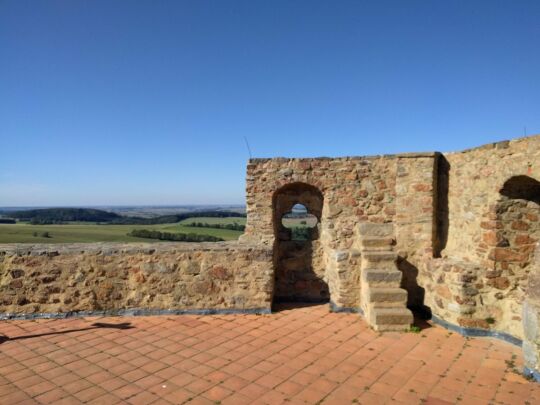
x=464, y=229
x=299, y=275
x=158, y=276
x=354, y=189
x=415, y=221
x=382, y=189
x=487, y=239
x=531, y=321
x=475, y=180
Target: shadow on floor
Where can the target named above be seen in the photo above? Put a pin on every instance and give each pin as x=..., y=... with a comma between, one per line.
x=96, y=325
x=421, y=318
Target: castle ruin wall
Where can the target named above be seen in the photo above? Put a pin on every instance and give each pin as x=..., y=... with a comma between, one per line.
x=144, y=278
x=463, y=234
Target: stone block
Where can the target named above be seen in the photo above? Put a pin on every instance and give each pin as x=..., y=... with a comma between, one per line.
x=383, y=318
x=369, y=229
x=376, y=243
x=386, y=295
x=376, y=277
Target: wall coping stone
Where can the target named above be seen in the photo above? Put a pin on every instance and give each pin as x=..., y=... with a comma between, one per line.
x=494, y=145
x=344, y=158
x=109, y=248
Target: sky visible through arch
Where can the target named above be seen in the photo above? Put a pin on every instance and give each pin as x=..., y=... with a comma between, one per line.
x=148, y=102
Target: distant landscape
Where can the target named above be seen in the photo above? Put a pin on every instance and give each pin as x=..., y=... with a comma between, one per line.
x=121, y=224
x=129, y=224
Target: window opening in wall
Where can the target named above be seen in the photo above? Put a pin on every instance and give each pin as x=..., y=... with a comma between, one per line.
x=300, y=222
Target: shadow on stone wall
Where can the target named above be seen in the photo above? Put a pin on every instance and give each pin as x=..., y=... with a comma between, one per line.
x=415, y=293
x=442, y=212
x=295, y=279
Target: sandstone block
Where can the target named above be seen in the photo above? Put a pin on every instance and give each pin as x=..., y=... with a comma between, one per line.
x=385, y=318
x=376, y=277
x=386, y=295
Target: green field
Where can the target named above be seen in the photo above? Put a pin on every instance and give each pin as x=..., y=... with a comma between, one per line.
x=308, y=222
x=91, y=232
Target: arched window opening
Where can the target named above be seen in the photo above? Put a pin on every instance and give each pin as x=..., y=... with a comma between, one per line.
x=514, y=230
x=518, y=227
x=523, y=188
x=298, y=254
x=300, y=223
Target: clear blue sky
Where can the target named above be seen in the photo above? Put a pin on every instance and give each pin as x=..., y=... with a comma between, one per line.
x=147, y=102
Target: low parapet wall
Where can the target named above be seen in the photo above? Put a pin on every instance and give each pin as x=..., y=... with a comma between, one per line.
x=56, y=280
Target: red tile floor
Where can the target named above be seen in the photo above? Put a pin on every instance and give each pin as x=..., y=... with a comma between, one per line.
x=301, y=355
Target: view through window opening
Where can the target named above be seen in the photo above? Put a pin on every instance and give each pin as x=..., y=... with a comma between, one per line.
x=300, y=222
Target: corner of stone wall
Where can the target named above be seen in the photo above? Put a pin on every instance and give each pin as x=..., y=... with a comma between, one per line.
x=531, y=321
x=343, y=277
x=415, y=221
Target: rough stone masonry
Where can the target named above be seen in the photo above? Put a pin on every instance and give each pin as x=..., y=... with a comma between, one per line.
x=451, y=235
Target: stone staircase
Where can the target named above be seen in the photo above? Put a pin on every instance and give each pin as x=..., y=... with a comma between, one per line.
x=382, y=299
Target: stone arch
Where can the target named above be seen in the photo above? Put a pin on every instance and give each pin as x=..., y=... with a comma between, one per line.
x=299, y=274
x=291, y=194
x=521, y=187
x=510, y=232
x=518, y=227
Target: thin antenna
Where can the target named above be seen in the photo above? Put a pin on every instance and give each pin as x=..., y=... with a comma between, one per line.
x=524, y=131
x=248, y=148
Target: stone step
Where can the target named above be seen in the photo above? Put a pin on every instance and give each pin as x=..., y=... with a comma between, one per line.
x=387, y=296
x=370, y=229
x=393, y=328
x=379, y=260
x=401, y=318
x=382, y=278
x=376, y=243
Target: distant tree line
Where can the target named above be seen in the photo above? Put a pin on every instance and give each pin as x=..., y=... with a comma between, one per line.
x=169, y=219
x=56, y=215
x=60, y=215
x=180, y=237
x=45, y=221
x=233, y=227
x=7, y=221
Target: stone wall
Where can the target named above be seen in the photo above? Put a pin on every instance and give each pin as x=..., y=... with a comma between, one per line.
x=159, y=276
x=531, y=321
x=475, y=181
x=463, y=230
x=343, y=193
x=487, y=238
x=354, y=189
x=299, y=277
x=415, y=221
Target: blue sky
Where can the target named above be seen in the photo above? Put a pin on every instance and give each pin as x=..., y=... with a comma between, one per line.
x=147, y=102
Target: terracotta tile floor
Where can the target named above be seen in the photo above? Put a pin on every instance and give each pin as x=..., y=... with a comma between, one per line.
x=295, y=356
